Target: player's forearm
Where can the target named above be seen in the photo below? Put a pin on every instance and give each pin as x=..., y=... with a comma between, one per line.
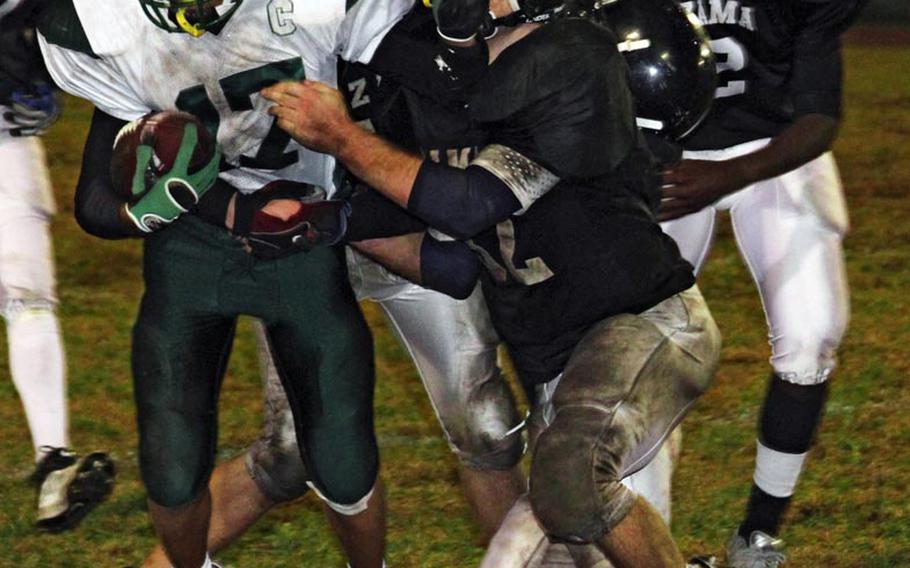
x=450, y=267
x=384, y=167
x=806, y=139
x=399, y=254
x=98, y=210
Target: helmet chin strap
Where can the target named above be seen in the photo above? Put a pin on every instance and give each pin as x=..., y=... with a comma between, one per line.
x=185, y=25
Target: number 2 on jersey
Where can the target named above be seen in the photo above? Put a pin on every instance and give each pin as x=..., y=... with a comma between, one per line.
x=735, y=58
x=238, y=90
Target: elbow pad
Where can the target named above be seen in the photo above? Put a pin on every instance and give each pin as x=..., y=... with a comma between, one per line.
x=461, y=203
x=450, y=267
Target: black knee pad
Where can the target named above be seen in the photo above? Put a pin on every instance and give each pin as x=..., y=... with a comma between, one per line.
x=575, y=487
x=791, y=414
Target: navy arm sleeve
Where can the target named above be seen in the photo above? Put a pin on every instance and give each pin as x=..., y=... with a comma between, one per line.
x=460, y=202
x=450, y=267
x=374, y=216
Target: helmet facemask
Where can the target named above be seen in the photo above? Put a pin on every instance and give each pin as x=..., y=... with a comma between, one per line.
x=531, y=12
x=194, y=17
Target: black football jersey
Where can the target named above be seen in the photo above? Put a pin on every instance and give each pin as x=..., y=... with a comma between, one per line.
x=777, y=60
x=440, y=131
x=590, y=247
x=20, y=59
x=376, y=104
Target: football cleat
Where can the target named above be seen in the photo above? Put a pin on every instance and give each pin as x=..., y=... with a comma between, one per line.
x=51, y=460
x=762, y=551
x=68, y=493
x=702, y=562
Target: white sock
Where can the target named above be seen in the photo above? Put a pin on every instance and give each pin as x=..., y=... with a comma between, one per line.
x=776, y=473
x=39, y=373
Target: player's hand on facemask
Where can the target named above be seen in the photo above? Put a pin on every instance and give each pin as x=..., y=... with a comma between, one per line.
x=175, y=192
x=285, y=217
x=313, y=113
x=32, y=110
x=691, y=185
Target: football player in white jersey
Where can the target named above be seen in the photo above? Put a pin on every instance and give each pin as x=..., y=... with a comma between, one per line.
x=763, y=154
x=130, y=58
x=69, y=486
x=119, y=64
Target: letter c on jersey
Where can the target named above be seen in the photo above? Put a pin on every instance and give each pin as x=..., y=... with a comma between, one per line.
x=281, y=17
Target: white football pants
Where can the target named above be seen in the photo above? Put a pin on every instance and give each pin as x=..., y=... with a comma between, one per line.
x=789, y=231
x=28, y=290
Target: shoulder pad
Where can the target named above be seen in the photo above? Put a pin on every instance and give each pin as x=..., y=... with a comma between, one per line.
x=59, y=23
x=560, y=96
x=567, y=53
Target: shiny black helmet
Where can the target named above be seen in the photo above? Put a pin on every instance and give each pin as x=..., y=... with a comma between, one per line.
x=671, y=63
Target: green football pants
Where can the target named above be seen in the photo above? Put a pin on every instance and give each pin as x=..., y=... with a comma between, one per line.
x=198, y=280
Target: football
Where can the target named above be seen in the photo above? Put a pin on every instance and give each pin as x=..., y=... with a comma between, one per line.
x=163, y=131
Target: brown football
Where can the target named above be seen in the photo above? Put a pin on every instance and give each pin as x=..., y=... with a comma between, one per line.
x=163, y=131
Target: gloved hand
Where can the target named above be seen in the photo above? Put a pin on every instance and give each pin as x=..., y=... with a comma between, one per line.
x=33, y=110
x=459, y=20
x=306, y=219
x=174, y=193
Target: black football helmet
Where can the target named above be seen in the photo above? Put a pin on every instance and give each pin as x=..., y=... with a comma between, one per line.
x=194, y=17
x=671, y=62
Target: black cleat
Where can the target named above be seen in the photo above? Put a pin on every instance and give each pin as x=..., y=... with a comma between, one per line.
x=70, y=493
x=703, y=561
x=52, y=460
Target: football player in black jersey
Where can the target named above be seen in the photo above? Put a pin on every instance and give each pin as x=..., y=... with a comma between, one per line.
x=598, y=309
x=763, y=155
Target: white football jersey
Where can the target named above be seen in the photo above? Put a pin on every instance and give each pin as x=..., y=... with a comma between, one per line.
x=139, y=68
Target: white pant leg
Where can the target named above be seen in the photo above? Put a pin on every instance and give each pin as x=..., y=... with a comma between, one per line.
x=694, y=235
x=789, y=230
x=28, y=292
x=654, y=482
x=454, y=347
x=25, y=179
x=790, y=236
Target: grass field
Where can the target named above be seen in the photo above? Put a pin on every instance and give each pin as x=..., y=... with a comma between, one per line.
x=852, y=508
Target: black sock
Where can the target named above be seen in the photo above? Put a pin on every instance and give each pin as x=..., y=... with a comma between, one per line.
x=763, y=514
x=788, y=421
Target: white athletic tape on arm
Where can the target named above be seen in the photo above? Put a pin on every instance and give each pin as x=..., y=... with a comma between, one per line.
x=776, y=473
x=527, y=179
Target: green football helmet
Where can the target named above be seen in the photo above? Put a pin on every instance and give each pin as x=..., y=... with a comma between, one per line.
x=194, y=17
